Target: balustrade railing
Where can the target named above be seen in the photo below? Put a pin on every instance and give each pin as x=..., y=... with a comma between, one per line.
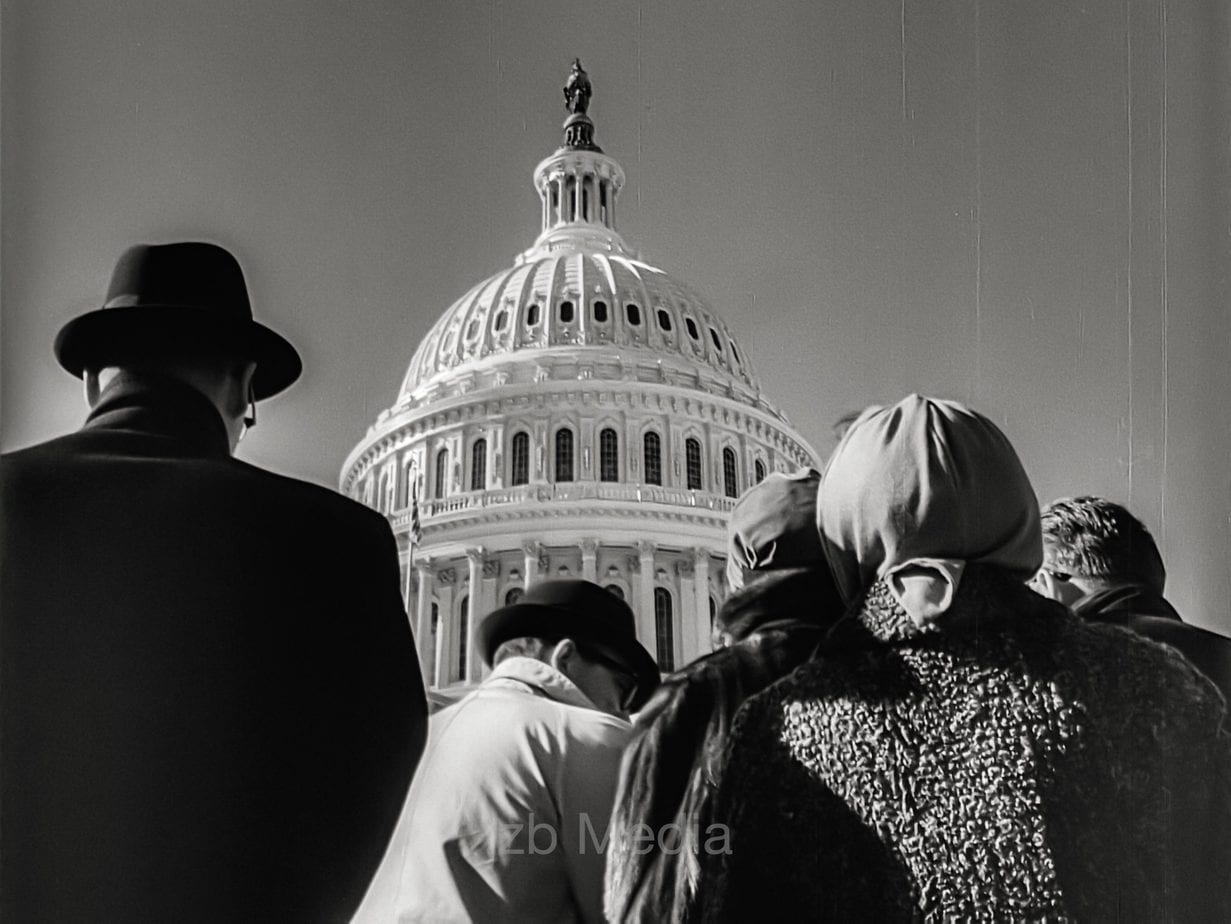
x=563, y=492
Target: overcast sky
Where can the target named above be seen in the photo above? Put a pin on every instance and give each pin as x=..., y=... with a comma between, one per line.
x=1020, y=205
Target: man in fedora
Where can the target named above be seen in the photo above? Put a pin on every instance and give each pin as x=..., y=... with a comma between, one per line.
x=507, y=818
x=211, y=704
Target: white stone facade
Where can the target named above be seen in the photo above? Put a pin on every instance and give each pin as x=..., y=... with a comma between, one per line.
x=580, y=414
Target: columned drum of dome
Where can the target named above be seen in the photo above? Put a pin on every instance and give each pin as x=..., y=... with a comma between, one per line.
x=582, y=413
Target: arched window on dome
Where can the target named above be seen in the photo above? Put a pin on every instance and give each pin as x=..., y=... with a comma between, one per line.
x=633, y=313
x=512, y=595
x=664, y=320
x=502, y=318
x=730, y=484
x=602, y=201
x=520, y=458
x=758, y=468
x=692, y=463
x=532, y=314
x=652, y=458
x=564, y=454
x=463, y=627
x=717, y=342
x=442, y=472
x=608, y=455
x=478, y=465
x=735, y=354
x=600, y=312
x=585, y=201
x=566, y=312
x=570, y=188
x=691, y=325
x=664, y=629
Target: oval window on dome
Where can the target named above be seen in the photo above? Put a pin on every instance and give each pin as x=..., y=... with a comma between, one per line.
x=532, y=314
x=472, y=329
x=692, y=328
x=566, y=312
x=502, y=318
x=735, y=353
x=600, y=312
x=633, y=313
x=664, y=319
x=717, y=342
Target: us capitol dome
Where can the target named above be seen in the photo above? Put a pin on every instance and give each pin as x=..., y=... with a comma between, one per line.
x=580, y=414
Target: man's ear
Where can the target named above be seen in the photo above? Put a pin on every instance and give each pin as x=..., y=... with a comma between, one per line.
x=1045, y=584
x=562, y=654
x=90, y=388
x=95, y=381
x=238, y=386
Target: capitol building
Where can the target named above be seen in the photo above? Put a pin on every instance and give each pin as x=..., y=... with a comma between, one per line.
x=581, y=413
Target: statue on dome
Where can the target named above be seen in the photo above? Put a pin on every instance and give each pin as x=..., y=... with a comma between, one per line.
x=577, y=91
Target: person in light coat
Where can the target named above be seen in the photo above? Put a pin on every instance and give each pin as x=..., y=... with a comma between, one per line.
x=507, y=818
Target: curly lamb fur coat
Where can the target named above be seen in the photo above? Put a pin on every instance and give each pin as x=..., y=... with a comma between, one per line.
x=1017, y=764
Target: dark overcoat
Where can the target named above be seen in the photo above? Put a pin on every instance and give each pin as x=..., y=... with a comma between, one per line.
x=212, y=707
x=660, y=827
x=1148, y=613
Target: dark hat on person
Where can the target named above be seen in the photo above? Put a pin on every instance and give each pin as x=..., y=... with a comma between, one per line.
x=774, y=526
x=582, y=611
x=182, y=299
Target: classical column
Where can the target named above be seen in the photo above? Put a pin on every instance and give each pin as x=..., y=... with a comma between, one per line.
x=645, y=596
x=491, y=579
x=589, y=559
x=532, y=551
x=445, y=630
x=689, y=645
x=423, y=622
x=701, y=586
x=474, y=604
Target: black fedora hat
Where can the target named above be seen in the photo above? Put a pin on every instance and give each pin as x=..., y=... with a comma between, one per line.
x=177, y=300
x=582, y=611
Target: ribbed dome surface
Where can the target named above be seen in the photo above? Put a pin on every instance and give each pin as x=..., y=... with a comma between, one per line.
x=581, y=297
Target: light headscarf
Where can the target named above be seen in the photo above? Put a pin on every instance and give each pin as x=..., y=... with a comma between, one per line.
x=914, y=493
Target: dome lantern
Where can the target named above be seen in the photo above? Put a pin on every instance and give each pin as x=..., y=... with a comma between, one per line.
x=578, y=184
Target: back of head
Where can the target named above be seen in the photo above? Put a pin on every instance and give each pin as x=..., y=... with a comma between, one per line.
x=925, y=479
x=799, y=596
x=525, y=647
x=773, y=526
x=1101, y=542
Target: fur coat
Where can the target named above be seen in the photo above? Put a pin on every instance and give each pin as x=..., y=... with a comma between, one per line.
x=1015, y=763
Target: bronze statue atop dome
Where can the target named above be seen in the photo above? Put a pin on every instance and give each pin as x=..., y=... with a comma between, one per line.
x=577, y=91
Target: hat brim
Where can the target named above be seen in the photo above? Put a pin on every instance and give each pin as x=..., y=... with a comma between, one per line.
x=536, y=620
x=111, y=336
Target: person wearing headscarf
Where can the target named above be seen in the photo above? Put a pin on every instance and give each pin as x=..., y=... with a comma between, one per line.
x=962, y=748
x=784, y=598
